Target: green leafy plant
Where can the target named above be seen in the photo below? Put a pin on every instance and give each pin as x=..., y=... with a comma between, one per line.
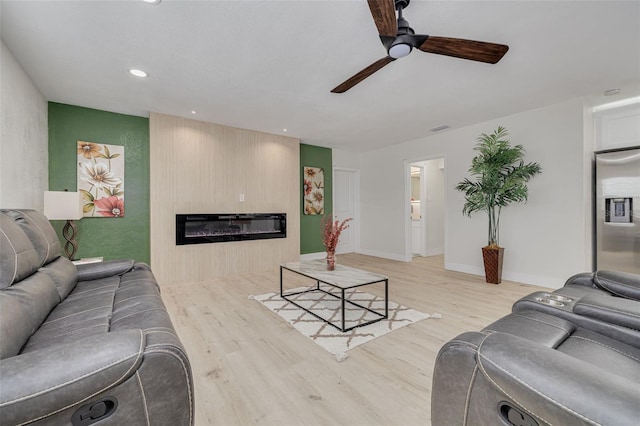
x=501, y=178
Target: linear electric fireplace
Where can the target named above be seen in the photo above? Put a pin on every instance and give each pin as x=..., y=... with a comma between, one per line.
x=218, y=228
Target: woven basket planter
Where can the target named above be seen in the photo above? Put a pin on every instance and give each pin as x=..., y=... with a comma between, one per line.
x=493, y=264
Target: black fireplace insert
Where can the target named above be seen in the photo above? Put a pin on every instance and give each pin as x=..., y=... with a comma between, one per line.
x=218, y=228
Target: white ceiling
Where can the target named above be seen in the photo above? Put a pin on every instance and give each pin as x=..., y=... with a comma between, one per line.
x=269, y=65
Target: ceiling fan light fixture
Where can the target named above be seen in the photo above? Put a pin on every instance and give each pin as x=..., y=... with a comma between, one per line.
x=399, y=50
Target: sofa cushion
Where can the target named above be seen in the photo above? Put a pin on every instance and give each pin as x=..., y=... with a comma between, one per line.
x=85, y=312
x=606, y=353
x=15, y=327
x=28, y=303
x=99, y=306
x=18, y=257
x=38, y=229
x=63, y=273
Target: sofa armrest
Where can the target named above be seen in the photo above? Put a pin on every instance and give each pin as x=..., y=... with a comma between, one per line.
x=109, y=268
x=40, y=383
x=557, y=387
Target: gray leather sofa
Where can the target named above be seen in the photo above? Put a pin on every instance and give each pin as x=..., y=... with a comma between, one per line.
x=83, y=344
x=568, y=357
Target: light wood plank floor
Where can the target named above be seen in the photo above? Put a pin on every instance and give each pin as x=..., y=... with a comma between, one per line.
x=251, y=368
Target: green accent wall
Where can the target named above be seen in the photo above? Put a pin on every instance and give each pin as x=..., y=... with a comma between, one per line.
x=111, y=238
x=310, y=231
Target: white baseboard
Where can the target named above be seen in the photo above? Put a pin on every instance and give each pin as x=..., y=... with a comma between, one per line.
x=313, y=256
x=461, y=267
x=540, y=280
x=385, y=255
x=434, y=251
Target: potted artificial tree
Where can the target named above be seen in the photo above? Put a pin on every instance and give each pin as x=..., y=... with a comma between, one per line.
x=501, y=178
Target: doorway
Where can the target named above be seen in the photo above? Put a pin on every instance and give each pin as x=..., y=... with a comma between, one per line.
x=426, y=200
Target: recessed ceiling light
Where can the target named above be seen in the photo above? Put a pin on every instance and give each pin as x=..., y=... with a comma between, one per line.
x=152, y=1
x=284, y=130
x=193, y=111
x=138, y=73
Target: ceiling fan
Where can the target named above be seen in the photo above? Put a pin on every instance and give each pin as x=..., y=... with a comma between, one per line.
x=399, y=39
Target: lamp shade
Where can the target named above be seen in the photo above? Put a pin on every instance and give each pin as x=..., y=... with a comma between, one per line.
x=62, y=205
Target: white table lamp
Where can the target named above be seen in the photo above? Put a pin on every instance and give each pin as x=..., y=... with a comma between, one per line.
x=63, y=205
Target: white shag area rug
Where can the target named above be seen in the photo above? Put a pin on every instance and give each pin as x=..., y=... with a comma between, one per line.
x=328, y=307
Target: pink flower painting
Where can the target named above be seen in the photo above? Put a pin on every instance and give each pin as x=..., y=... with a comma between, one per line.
x=101, y=179
x=313, y=191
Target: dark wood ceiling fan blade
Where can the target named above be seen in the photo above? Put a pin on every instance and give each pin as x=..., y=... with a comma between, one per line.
x=466, y=49
x=357, y=78
x=384, y=15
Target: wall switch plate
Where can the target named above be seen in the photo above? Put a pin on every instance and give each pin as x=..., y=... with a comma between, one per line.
x=241, y=197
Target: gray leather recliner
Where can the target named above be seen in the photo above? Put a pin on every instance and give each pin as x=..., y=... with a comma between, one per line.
x=83, y=344
x=568, y=357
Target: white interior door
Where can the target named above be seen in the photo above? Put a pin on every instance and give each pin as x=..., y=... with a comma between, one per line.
x=344, y=206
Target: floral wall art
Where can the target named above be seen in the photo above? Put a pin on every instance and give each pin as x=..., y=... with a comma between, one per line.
x=101, y=179
x=313, y=191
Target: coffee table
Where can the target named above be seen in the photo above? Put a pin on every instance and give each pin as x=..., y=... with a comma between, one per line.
x=342, y=278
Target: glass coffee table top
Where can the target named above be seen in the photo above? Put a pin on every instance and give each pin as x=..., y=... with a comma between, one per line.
x=342, y=276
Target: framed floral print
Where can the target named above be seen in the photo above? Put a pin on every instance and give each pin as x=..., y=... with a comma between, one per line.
x=313, y=190
x=101, y=179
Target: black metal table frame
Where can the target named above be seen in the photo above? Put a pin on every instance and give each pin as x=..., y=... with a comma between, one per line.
x=342, y=298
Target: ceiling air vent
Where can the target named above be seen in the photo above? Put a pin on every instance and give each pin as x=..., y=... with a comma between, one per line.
x=440, y=128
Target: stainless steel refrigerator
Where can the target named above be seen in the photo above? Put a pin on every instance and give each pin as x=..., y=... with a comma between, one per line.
x=617, y=210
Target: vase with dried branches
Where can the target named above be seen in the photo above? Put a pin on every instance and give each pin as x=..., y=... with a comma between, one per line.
x=331, y=230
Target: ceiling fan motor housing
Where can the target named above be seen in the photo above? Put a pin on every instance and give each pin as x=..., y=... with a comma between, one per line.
x=404, y=41
x=402, y=44
x=403, y=27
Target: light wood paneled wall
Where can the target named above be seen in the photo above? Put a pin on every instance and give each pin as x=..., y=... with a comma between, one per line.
x=199, y=167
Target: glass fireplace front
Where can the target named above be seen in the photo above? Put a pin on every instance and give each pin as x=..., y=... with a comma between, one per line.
x=217, y=228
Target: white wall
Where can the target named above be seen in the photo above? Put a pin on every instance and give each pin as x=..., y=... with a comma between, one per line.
x=345, y=159
x=546, y=240
x=24, y=155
